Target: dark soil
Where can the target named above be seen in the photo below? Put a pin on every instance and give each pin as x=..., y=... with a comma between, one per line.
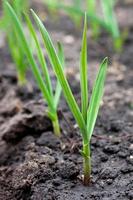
x=36, y=165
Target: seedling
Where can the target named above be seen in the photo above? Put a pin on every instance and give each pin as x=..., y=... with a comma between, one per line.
x=44, y=84
x=91, y=9
x=51, y=5
x=16, y=52
x=108, y=21
x=77, y=4
x=86, y=116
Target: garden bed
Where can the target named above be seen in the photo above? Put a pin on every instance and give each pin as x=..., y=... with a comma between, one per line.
x=36, y=165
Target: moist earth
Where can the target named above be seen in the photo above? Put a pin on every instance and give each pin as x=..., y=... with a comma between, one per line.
x=35, y=164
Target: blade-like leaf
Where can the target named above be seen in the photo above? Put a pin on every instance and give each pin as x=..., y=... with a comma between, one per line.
x=61, y=54
x=91, y=6
x=30, y=57
x=58, y=86
x=40, y=55
x=91, y=10
x=109, y=16
x=96, y=97
x=83, y=72
x=56, y=64
x=74, y=11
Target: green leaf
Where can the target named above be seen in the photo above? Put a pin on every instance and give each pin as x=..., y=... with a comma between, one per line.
x=56, y=64
x=30, y=57
x=96, y=97
x=91, y=6
x=83, y=72
x=72, y=10
x=58, y=86
x=91, y=10
x=40, y=55
x=109, y=16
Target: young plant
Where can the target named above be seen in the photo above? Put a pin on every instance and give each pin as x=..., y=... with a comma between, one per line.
x=75, y=11
x=16, y=52
x=44, y=84
x=51, y=5
x=77, y=4
x=110, y=20
x=91, y=9
x=86, y=116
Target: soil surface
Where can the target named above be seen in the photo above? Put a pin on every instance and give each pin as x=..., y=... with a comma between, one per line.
x=36, y=165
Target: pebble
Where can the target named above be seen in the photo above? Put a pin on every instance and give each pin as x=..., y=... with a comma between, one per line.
x=69, y=39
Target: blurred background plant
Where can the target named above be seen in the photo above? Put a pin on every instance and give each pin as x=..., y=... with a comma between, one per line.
x=38, y=64
x=12, y=39
x=101, y=15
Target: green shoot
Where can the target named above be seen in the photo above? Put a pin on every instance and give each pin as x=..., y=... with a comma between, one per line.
x=77, y=4
x=76, y=9
x=83, y=73
x=16, y=52
x=86, y=116
x=44, y=84
x=108, y=21
x=40, y=55
x=109, y=17
x=91, y=9
x=51, y=5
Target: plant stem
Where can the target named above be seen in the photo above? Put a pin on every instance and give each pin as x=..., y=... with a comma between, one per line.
x=56, y=127
x=86, y=163
x=21, y=79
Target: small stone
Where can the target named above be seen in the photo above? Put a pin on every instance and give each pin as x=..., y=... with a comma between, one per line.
x=69, y=39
